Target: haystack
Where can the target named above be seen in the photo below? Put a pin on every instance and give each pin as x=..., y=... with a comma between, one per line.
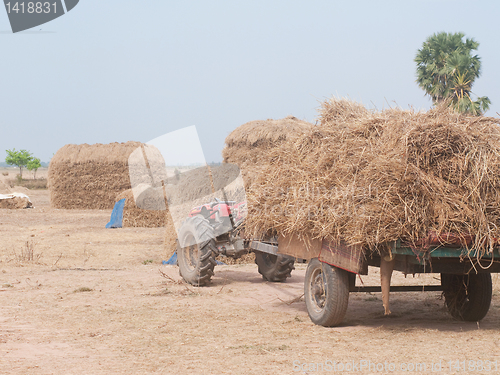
x=370, y=177
x=134, y=216
x=89, y=176
x=248, y=145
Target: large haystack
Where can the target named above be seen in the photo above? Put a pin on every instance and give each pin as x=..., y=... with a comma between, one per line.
x=89, y=176
x=373, y=177
x=248, y=145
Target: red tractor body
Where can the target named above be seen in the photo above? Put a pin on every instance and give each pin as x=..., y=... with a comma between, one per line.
x=223, y=209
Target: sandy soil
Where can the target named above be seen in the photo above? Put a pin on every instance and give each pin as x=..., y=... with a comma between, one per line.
x=94, y=301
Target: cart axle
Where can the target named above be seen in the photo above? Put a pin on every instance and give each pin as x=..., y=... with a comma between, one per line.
x=398, y=288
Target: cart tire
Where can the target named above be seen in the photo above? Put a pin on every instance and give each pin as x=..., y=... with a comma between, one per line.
x=196, y=259
x=467, y=297
x=275, y=268
x=326, y=291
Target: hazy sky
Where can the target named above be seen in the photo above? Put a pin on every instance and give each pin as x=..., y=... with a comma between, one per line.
x=119, y=70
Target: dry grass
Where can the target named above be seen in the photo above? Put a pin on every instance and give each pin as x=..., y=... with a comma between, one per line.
x=266, y=133
x=134, y=216
x=27, y=254
x=83, y=289
x=32, y=184
x=373, y=177
x=244, y=259
x=248, y=145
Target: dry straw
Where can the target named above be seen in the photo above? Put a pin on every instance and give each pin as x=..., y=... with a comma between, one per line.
x=134, y=216
x=372, y=177
x=248, y=145
x=16, y=202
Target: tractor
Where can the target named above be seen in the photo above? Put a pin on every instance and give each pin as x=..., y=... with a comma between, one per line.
x=216, y=228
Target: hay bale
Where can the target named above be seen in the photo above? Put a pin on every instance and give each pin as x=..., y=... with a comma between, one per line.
x=265, y=132
x=373, y=177
x=89, y=176
x=15, y=201
x=248, y=145
x=134, y=216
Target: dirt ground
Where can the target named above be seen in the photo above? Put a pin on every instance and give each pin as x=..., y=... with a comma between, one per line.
x=93, y=301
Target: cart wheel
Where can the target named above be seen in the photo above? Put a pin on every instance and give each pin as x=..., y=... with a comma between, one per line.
x=326, y=291
x=467, y=297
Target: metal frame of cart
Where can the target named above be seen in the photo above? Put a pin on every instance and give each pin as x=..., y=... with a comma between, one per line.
x=331, y=275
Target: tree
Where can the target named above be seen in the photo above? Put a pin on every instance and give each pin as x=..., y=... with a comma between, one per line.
x=33, y=165
x=447, y=69
x=19, y=158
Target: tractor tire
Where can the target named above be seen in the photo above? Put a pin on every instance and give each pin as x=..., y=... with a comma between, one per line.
x=275, y=268
x=326, y=292
x=197, y=251
x=467, y=297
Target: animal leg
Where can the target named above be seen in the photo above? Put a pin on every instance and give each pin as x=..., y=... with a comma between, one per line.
x=386, y=268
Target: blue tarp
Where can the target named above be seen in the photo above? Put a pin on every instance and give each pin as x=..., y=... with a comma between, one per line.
x=173, y=261
x=117, y=215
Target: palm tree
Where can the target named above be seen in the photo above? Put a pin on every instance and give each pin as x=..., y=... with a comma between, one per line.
x=446, y=70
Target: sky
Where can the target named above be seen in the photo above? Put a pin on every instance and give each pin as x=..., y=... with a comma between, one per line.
x=121, y=70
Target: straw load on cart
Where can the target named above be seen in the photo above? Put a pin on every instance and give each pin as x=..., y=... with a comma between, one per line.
x=372, y=177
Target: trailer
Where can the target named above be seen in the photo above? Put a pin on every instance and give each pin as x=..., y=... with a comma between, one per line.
x=331, y=274
x=332, y=268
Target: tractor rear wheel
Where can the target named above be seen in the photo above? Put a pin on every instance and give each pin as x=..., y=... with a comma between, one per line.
x=467, y=297
x=197, y=251
x=274, y=268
